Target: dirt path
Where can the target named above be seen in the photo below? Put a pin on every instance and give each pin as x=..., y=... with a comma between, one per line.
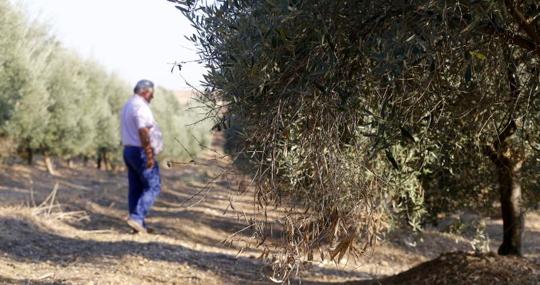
x=84, y=240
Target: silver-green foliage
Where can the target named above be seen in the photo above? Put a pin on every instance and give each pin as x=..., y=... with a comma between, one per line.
x=353, y=108
x=54, y=102
x=25, y=57
x=288, y=72
x=185, y=130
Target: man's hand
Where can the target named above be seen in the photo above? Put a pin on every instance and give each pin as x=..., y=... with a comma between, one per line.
x=149, y=163
x=144, y=135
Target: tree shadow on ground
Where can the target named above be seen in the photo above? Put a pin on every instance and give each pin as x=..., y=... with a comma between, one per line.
x=101, y=216
x=530, y=241
x=169, y=216
x=353, y=282
x=4, y=280
x=28, y=242
x=37, y=182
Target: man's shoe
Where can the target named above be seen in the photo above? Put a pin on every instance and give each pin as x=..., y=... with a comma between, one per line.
x=136, y=226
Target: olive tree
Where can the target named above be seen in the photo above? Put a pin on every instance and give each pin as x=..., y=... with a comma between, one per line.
x=24, y=97
x=185, y=130
x=350, y=107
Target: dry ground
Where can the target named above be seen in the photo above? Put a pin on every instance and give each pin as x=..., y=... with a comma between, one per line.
x=81, y=237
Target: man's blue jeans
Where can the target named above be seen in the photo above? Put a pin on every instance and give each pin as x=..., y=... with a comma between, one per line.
x=144, y=183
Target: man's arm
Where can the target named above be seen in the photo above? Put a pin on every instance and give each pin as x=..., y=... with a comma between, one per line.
x=144, y=135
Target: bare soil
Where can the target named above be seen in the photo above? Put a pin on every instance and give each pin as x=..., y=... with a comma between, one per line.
x=466, y=268
x=79, y=235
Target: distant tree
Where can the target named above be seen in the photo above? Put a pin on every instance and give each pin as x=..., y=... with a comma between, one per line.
x=63, y=113
x=11, y=26
x=185, y=132
x=108, y=123
x=24, y=95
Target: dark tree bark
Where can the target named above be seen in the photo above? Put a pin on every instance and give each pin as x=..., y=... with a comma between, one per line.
x=103, y=160
x=508, y=171
x=98, y=161
x=29, y=156
x=508, y=161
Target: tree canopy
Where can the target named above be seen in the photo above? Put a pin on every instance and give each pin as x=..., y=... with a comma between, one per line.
x=363, y=114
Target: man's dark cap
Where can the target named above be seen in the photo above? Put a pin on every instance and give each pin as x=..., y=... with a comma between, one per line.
x=143, y=84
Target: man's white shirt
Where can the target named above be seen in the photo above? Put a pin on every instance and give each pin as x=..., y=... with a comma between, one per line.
x=136, y=114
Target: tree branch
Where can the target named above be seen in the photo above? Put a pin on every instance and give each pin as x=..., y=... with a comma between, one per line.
x=523, y=23
x=512, y=38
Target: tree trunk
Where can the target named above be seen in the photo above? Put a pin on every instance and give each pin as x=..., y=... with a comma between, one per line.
x=511, y=208
x=508, y=161
x=49, y=164
x=99, y=160
x=30, y=156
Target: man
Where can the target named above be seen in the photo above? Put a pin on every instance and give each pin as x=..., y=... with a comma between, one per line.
x=142, y=141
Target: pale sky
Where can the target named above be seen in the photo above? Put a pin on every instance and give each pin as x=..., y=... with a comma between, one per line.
x=134, y=38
